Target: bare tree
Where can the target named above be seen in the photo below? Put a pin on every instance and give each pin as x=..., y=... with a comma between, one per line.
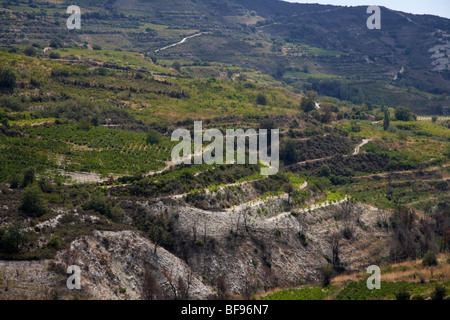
x=249, y=286
x=245, y=214
x=347, y=208
x=181, y=288
x=335, y=250
x=157, y=235
x=289, y=189
x=204, y=228
x=222, y=288
x=269, y=278
x=194, y=228
x=150, y=288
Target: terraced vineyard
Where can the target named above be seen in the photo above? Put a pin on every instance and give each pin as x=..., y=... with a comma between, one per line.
x=66, y=147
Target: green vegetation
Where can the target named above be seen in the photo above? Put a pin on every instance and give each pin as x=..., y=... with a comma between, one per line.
x=33, y=202
x=389, y=290
x=430, y=259
x=316, y=293
x=13, y=238
x=86, y=119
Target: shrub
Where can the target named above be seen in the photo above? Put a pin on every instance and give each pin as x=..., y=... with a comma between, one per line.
x=12, y=238
x=84, y=124
x=177, y=66
x=403, y=295
x=387, y=119
x=302, y=238
x=33, y=202
x=403, y=113
x=327, y=272
x=30, y=51
x=7, y=79
x=54, y=55
x=438, y=293
x=153, y=137
x=347, y=233
x=324, y=171
x=289, y=152
x=9, y=102
x=15, y=181
x=28, y=177
x=430, y=259
x=54, y=242
x=307, y=104
x=99, y=204
x=261, y=99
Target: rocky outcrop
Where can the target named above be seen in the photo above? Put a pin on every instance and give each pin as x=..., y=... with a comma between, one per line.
x=113, y=265
x=255, y=246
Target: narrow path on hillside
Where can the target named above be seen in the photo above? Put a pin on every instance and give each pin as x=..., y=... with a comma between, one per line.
x=356, y=152
x=178, y=43
x=362, y=144
x=304, y=210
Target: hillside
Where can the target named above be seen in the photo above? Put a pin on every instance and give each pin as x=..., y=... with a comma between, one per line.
x=325, y=48
x=87, y=177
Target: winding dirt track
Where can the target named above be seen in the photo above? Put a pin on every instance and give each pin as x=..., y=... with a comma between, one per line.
x=178, y=43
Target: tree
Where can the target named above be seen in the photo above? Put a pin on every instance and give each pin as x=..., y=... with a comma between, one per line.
x=403, y=295
x=335, y=249
x=261, y=99
x=7, y=79
x=439, y=293
x=30, y=51
x=430, y=259
x=403, y=113
x=327, y=273
x=28, y=177
x=15, y=181
x=153, y=137
x=312, y=95
x=327, y=116
x=84, y=124
x=289, y=153
x=153, y=57
x=54, y=55
x=222, y=288
x=289, y=189
x=150, y=288
x=55, y=43
x=267, y=124
x=344, y=90
x=180, y=287
x=177, y=66
x=387, y=119
x=98, y=203
x=33, y=202
x=307, y=105
x=280, y=71
x=157, y=235
x=13, y=238
x=325, y=171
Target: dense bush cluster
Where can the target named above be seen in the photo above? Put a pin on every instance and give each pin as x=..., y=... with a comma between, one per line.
x=12, y=238
x=184, y=180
